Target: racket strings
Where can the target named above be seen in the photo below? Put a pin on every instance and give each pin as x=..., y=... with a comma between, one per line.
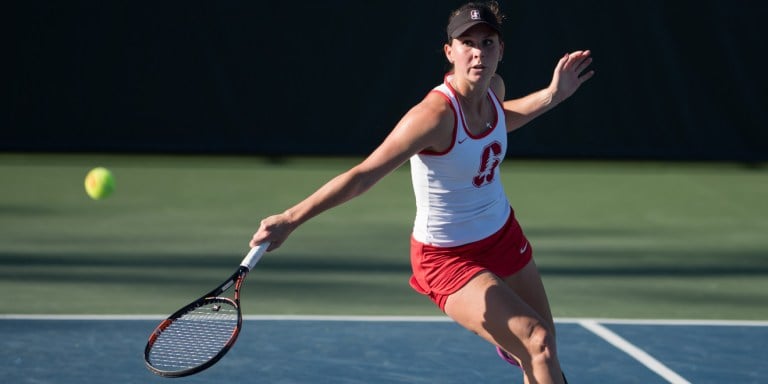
x=195, y=338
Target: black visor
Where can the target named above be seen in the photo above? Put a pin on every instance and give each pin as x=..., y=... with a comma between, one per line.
x=470, y=17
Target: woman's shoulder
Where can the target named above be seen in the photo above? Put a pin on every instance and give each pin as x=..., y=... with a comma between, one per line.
x=432, y=118
x=435, y=106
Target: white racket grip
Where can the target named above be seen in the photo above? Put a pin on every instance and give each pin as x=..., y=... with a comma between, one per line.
x=254, y=255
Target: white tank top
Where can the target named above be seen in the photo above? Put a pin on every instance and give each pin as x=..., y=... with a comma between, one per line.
x=459, y=196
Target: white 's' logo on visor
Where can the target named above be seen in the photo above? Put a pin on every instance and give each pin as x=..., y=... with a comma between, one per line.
x=474, y=14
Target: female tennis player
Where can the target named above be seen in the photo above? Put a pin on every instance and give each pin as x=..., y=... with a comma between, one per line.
x=468, y=252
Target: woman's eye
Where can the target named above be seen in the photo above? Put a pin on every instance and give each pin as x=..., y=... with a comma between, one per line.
x=487, y=42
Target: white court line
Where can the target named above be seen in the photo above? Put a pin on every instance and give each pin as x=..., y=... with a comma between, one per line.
x=633, y=351
x=682, y=322
x=563, y=320
x=420, y=319
x=411, y=319
x=16, y=316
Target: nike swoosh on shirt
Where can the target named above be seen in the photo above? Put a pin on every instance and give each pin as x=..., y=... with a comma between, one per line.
x=524, y=248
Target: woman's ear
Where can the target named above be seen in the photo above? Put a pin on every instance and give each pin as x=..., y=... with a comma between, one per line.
x=448, y=49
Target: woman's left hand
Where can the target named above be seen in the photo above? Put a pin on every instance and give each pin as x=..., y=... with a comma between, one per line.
x=570, y=72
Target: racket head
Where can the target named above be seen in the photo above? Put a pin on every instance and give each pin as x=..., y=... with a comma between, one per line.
x=194, y=337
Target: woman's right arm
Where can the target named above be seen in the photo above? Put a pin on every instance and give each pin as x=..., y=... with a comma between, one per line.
x=423, y=127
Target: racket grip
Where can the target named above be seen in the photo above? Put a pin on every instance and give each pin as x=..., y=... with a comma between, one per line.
x=254, y=255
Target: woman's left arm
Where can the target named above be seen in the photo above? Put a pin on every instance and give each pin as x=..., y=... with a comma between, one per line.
x=570, y=73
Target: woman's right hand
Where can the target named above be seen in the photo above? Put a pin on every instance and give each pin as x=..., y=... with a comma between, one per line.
x=274, y=229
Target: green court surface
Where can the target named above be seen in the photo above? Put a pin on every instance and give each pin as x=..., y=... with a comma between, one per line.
x=612, y=239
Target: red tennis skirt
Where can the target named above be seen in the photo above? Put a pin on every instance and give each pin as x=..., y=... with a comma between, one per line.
x=438, y=272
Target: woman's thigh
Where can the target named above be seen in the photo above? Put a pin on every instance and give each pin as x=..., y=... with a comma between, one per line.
x=488, y=306
x=528, y=286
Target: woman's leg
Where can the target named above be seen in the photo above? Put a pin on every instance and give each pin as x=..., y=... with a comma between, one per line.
x=529, y=287
x=487, y=306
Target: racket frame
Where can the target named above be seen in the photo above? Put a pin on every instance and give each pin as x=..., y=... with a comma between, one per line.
x=237, y=278
x=213, y=296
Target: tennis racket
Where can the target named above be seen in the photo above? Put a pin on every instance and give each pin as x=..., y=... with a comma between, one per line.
x=199, y=334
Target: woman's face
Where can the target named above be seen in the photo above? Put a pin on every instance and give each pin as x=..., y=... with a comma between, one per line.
x=476, y=53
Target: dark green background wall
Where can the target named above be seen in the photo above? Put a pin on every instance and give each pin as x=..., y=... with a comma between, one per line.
x=675, y=79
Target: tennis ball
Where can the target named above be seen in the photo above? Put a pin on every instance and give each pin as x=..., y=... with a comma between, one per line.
x=99, y=183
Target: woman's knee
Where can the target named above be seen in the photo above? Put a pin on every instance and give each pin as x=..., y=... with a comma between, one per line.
x=540, y=343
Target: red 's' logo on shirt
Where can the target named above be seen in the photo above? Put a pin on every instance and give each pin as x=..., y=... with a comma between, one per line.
x=490, y=160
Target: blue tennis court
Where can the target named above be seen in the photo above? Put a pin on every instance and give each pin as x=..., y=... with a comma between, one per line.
x=104, y=349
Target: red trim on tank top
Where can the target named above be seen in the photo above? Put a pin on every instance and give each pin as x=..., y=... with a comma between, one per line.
x=464, y=121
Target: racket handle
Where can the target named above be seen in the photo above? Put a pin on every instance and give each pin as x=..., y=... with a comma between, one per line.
x=254, y=255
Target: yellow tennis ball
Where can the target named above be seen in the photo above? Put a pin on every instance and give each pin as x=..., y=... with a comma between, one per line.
x=99, y=183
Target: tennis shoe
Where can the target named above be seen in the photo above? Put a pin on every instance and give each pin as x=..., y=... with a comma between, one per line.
x=506, y=357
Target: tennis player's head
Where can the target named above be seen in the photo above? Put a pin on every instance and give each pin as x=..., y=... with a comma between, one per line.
x=474, y=38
